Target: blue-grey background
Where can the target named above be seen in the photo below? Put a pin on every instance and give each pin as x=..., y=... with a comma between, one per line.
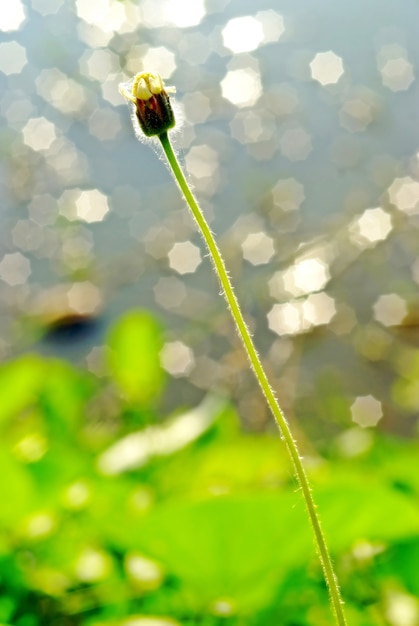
x=299, y=130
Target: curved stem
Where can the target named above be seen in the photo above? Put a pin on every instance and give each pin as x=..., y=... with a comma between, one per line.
x=255, y=361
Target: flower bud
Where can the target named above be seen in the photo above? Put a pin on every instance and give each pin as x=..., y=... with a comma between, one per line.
x=152, y=103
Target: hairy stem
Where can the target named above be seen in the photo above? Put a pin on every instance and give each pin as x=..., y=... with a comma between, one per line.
x=262, y=379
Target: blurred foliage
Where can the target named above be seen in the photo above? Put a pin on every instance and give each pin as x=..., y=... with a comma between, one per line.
x=206, y=532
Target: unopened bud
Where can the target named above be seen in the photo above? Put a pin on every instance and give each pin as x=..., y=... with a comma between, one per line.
x=152, y=103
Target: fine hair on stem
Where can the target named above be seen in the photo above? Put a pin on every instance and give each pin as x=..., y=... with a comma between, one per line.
x=152, y=113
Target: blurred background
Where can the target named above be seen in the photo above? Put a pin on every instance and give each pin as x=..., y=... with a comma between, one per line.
x=298, y=129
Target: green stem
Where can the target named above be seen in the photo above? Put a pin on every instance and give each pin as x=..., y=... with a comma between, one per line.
x=254, y=359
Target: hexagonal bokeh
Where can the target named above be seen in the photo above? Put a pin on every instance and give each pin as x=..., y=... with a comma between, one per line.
x=300, y=146
x=184, y=257
x=326, y=68
x=242, y=87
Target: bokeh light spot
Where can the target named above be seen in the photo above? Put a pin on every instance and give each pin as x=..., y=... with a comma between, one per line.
x=107, y=15
x=354, y=441
x=76, y=496
x=397, y=74
x=355, y=115
x=144, y=572
x=402, y=608
x=161, y=60
x=87, y=205
x=12, y=57
x=12, y=15
x=197, y=107
x=286, y=319
x=326, y=68
x=84, y=298
x=288, y=194
x=184, y=257
x=293, y=318
x=31, y=448
x=372, y=226
x=366, y=411
x=177, y=358
x=404, y=194
x=242, y=34
x=179, y=13
x=39, y=133
x=170, y=293
x=296, y=144
x=40, y=525
x=395, y=68
x=141, y=620
x=272, y=24
x=242, y=87
x=15, y=269
x=98, y=64
x=92, y=565
x=64, y=93
x=201, y=161
x=183, y=13
x=258, y=248
x=91, y=206
x=251, y=127
x=305, y=276
x=319, y=309
x=390, y=309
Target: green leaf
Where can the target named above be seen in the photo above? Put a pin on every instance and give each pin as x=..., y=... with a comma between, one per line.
x=135, y=343
x=64, y=394
x=244, y=464
x=356, y=506
x=17, y=493
x=391, y=460
x=7, y=607
x=236, y=549
x=239, y=548
x=403, y=558
x=20, y=381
